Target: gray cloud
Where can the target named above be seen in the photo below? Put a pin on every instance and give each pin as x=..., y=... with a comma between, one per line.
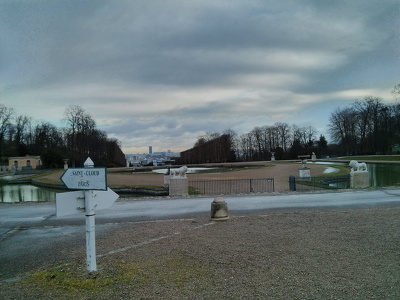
x=168, y=71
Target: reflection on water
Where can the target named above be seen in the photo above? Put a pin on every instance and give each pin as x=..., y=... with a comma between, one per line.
x=24, y=193
x=341, y=185
x=384, y=174
x=379, y=175
x=189, y=170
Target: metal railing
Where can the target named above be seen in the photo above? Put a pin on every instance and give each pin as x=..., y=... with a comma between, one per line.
x=231, y=186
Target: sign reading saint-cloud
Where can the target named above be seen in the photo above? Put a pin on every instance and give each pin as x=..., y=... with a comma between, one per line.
x=85, y=179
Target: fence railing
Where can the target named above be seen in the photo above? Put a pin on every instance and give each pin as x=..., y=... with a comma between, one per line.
x=231, y=186
x=318, y=183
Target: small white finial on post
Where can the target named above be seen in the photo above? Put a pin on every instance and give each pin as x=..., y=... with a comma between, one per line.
x=88, y=163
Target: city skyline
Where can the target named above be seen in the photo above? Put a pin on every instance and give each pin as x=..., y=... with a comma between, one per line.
x=166, y=72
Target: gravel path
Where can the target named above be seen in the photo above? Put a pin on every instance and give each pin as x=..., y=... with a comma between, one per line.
x=350, y=253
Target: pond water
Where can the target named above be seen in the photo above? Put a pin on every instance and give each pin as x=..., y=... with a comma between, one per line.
x=379, y=175
x=384, y=174
x=189, y=171
x=325, y=163
x=12, y=193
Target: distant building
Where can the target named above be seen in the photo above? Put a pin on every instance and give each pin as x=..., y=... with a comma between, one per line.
x=150, y=150
x=24, y=162
x=146, y=159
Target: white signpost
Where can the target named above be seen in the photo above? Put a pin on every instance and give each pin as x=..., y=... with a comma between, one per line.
x=92, y=183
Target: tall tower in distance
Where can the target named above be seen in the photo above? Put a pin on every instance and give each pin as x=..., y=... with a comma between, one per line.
x=150, y=150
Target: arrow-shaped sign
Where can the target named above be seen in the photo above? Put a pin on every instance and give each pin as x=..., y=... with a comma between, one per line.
x=104, y=199
x=85, y=178
x=71, y=203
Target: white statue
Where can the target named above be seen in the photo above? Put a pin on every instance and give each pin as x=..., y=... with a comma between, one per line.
x=313, y=157
x=181, y=172
x=356, y=166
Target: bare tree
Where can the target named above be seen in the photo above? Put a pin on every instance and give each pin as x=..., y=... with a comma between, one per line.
x=46, y=136
x=6, y=114
x=209, y=136
x=80, y=125
x=258, y=138
x=246, y=146
x=21, y=126
x=342, y=126
x=283, y=130
x=396, y=92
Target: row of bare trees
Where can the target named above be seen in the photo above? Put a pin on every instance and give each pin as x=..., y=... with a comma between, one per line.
x=79, y=139
x=284, y=140
x=367, y=126
x=213, y=148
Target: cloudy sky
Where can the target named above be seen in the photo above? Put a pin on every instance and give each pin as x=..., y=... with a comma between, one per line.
x=162, y=73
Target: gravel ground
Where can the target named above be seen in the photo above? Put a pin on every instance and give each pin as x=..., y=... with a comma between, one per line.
x=347, y=253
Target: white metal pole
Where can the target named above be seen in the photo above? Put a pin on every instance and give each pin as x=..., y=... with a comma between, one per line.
x=90, y=233
x=90, y=226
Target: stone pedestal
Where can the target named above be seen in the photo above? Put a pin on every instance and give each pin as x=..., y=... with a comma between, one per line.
x=219, y=210
x=167, y=179
x=359, y=179
x=178, y=186
x=305, y=173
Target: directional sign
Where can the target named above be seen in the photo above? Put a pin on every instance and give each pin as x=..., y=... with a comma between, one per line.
x=71, y=203
x=85, y=178
x=104, y=199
